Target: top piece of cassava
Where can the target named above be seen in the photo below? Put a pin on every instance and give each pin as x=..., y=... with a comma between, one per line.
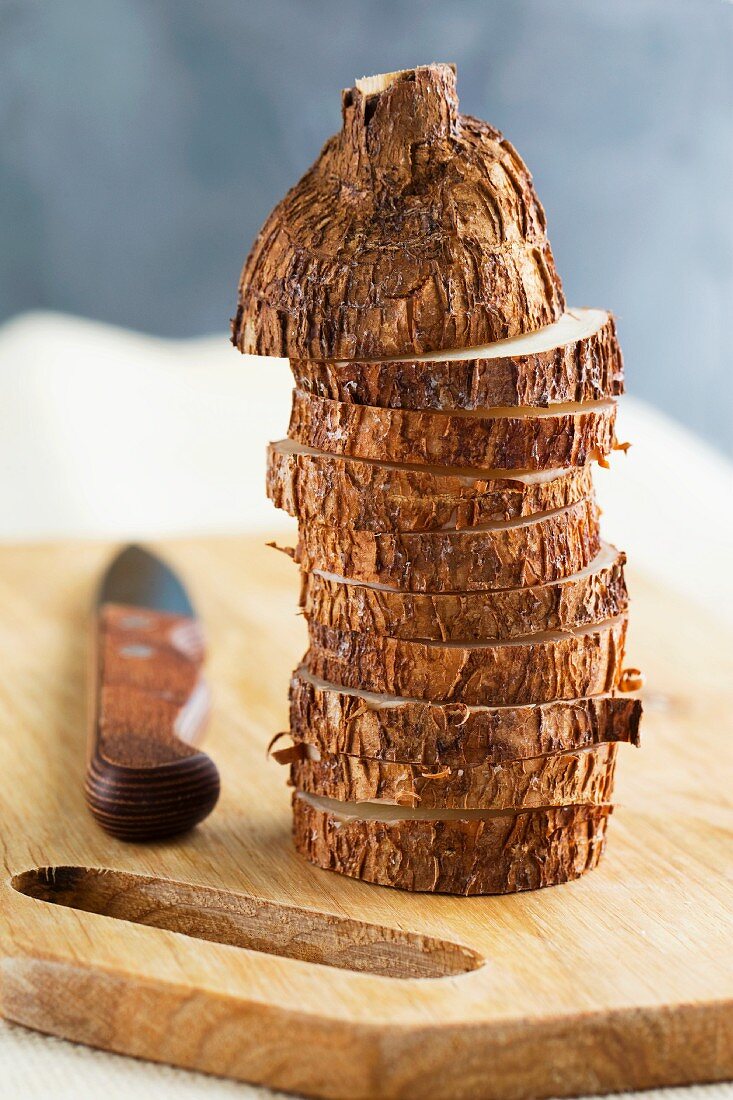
x=417, y=229
x=577, y=358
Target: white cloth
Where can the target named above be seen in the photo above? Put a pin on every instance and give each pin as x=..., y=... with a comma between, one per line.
x=107, y=433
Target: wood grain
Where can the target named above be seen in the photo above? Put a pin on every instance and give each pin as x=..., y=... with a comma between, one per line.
x=617, y=981
x=150, y=704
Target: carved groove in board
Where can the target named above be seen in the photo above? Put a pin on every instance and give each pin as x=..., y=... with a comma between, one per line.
x=240, y=920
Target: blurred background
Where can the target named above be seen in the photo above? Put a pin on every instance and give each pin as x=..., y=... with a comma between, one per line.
x=143, y=144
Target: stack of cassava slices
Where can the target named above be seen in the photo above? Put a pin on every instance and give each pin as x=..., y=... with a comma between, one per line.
x=456, y=718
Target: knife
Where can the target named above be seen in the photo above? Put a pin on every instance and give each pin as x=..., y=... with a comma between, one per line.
x=145, y=780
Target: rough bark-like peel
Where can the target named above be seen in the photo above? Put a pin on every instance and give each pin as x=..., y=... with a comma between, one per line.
x=535, y=670
x=341, y=491
x=498, y=855
x=417, y=229
x=597, y=593
x=589, y=368
x=565, y=779
x=546, y=548
x=554, y=438
x=341, y=720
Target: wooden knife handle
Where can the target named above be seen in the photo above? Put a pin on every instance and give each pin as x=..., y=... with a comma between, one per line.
x=145, y=779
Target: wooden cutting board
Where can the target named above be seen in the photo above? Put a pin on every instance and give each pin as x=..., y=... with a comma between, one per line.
x=327, y=986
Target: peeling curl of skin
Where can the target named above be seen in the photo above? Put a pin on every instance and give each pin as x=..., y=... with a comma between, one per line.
x=417, y=229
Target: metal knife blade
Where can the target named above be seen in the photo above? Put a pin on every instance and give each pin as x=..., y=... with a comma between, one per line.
x=136, y=577
x=150, y=704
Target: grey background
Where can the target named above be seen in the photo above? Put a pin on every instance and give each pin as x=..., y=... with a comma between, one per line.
x=143, y=142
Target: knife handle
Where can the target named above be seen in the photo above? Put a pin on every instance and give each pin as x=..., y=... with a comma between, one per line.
x=145, y=780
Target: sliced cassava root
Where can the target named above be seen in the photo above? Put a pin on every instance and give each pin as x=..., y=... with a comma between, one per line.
x=497, y=854
x=365, y=494
x=532, y=551
x=596, y=593
x=498, y=438
x=334, y=719
x=584, y=777
x=453, y=610
x=531, y=670
x=577, y=358
x=417, y=229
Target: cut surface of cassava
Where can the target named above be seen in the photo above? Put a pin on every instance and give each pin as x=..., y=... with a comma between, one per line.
x=370, y=495
x=537, y=669
x=564, y=779
x=597, y=593
x=496, y=554
x=577, y=358
x=335, y=719
x=498, y=438
x=417, y=229
x=501, y=853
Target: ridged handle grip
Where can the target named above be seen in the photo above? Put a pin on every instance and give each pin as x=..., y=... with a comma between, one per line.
x=145, y=779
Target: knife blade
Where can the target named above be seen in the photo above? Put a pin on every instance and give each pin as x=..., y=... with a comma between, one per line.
x=145, y=779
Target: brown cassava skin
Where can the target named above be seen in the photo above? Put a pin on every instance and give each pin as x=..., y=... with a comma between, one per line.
x=588, y=369
x=567, y=779
x=549, y=548
x=544, y=442
x=538, y=670
x=341, y=491
x=498, y=855
x=468, y=617
x=452, y=734
x=417, y=229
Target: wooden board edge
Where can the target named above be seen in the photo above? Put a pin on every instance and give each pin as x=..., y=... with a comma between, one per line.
x=567, y=1055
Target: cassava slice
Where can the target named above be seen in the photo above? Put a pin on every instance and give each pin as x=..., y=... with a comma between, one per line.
x=335, y=719
x=417, y=229
x=499, y=438
x=496, y=554
x=577, y=358
x=537, y=669
x=598, y=592
x=564, y=779
x=375, y=496
x=494, y=853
